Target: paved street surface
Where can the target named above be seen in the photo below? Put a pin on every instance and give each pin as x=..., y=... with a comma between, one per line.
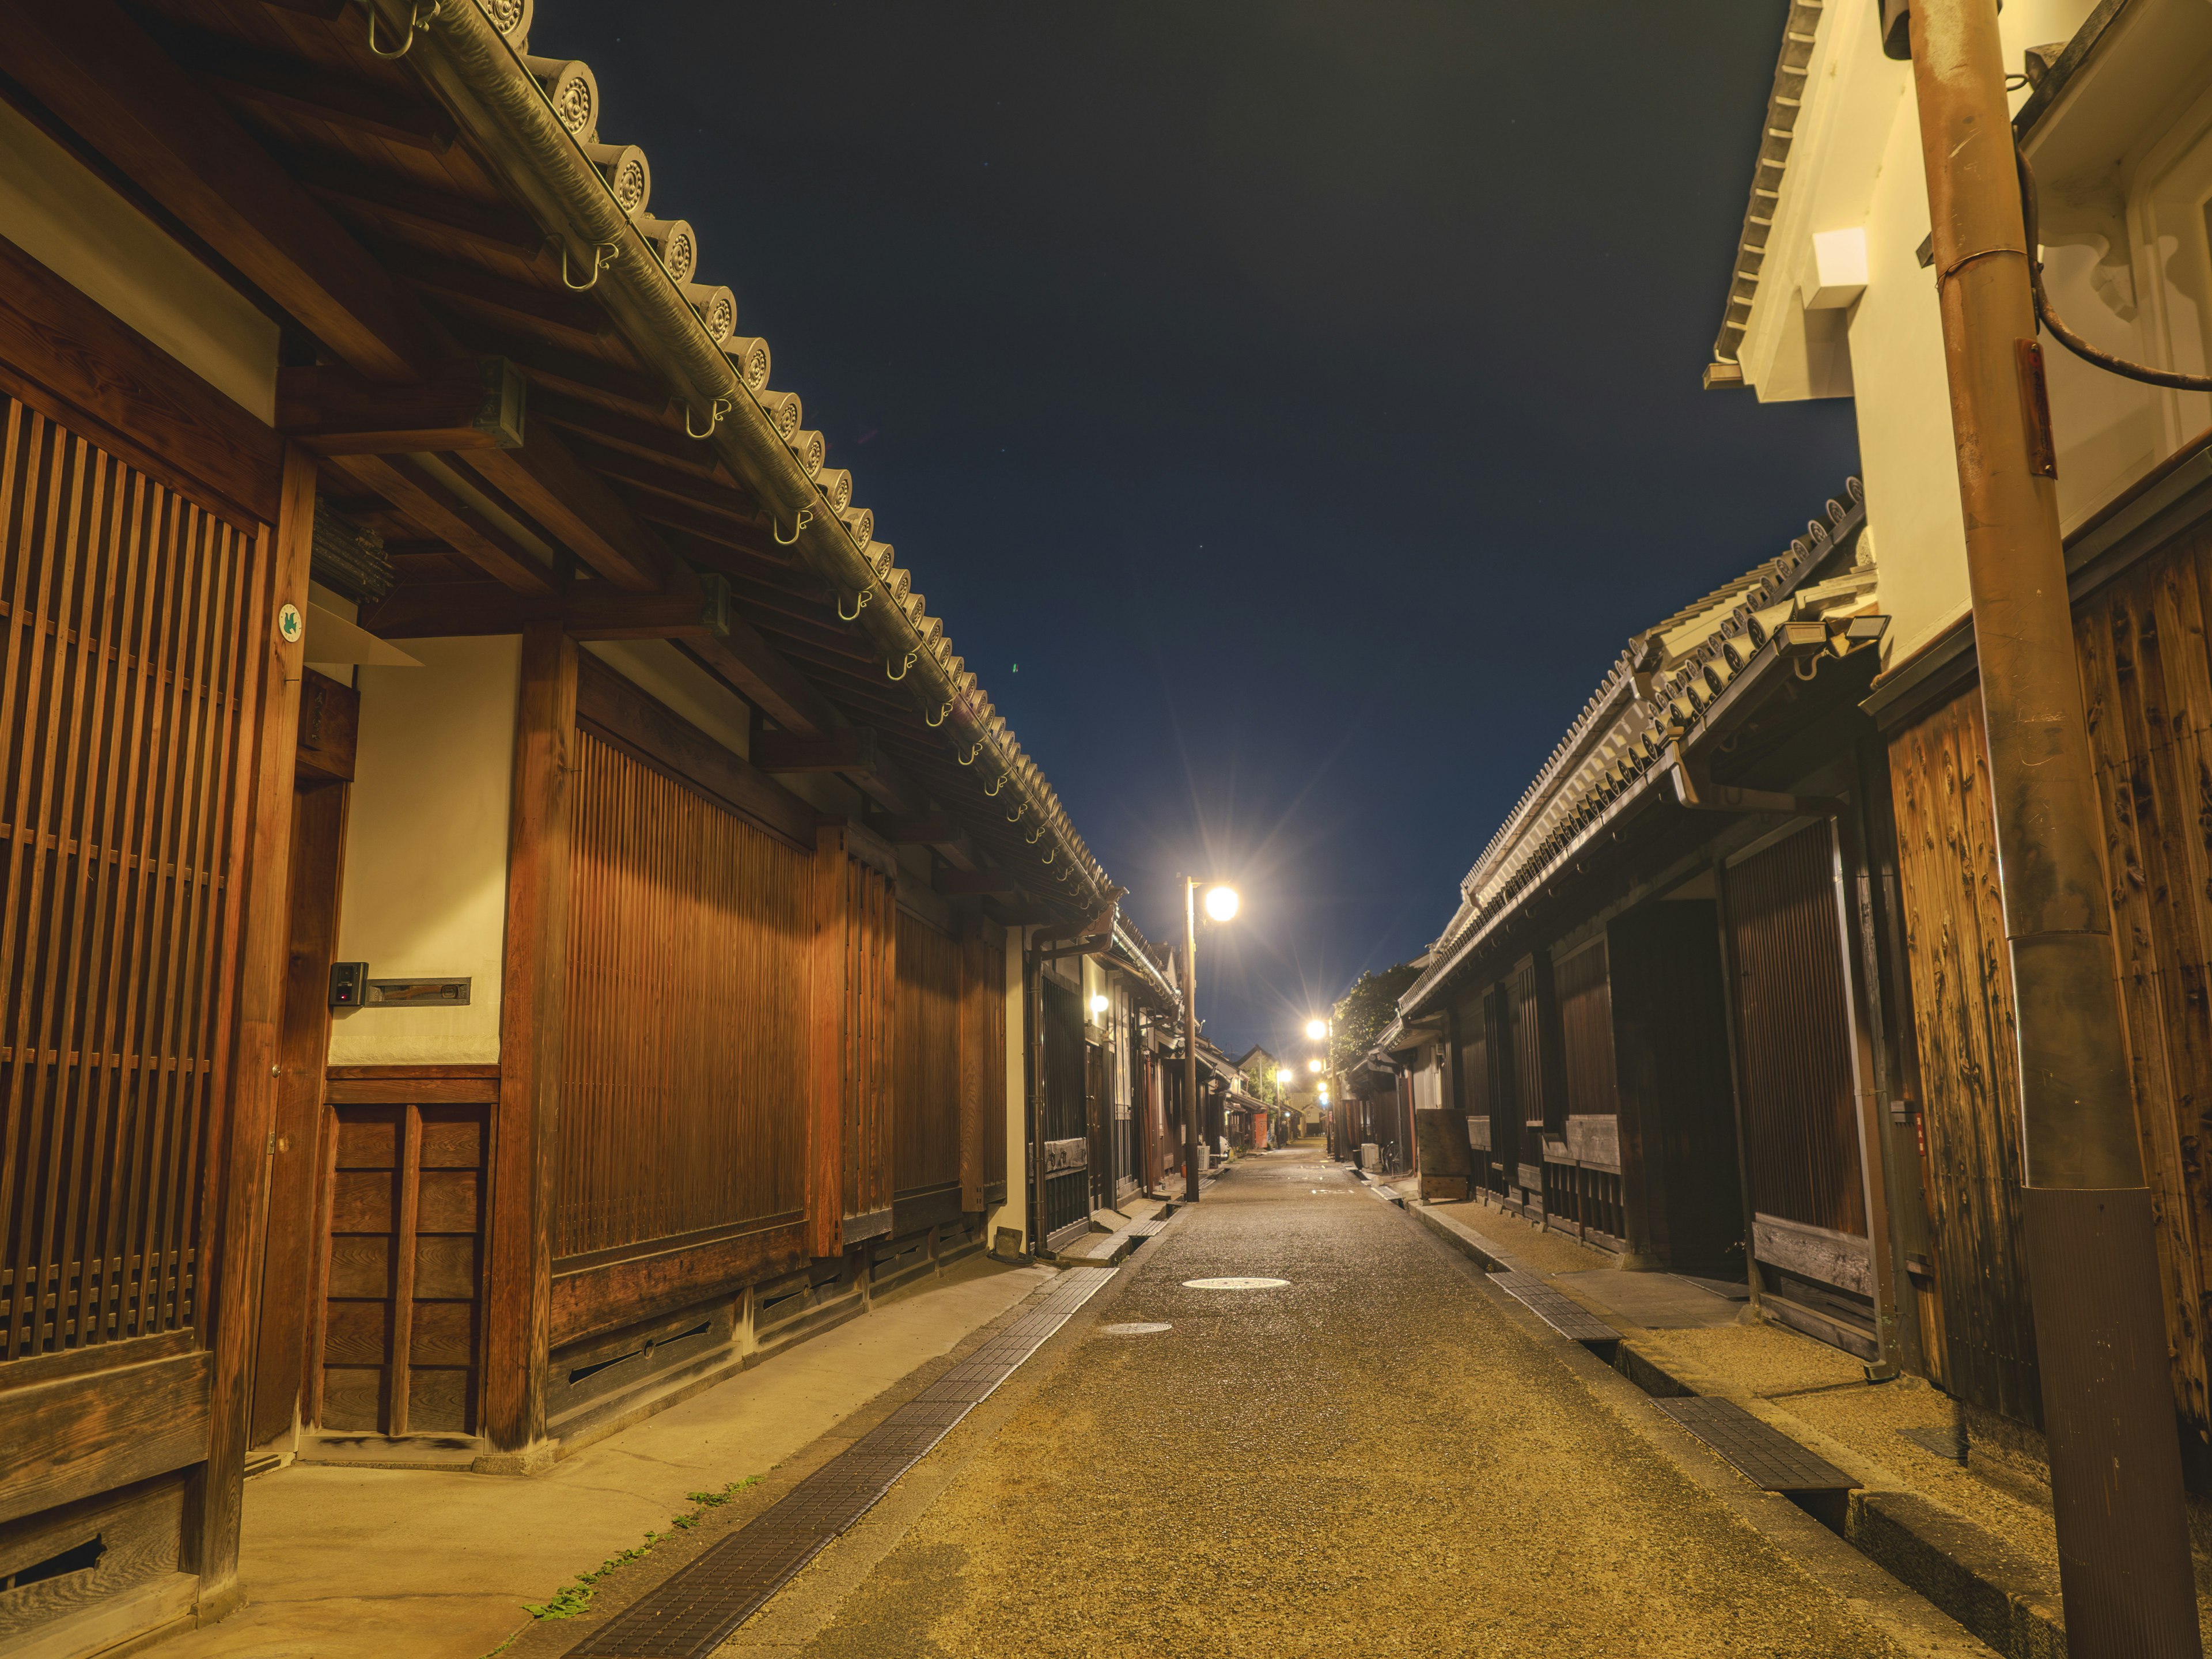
x=1381, y=1457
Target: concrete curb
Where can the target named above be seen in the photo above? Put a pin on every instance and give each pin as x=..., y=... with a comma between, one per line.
x=1995, y=1591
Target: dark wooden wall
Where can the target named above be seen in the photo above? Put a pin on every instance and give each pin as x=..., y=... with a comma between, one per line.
x=1678, y=1146
x=1585, y=994
x=684, y=1060
x=925, y=1137
x=1793, y=1020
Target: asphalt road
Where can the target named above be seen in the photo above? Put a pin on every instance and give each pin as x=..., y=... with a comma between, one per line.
x=1377, y=1458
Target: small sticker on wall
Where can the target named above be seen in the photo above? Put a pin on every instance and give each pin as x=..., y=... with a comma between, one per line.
x=289, y=625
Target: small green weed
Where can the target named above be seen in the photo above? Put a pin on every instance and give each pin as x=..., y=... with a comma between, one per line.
x=574, y=1598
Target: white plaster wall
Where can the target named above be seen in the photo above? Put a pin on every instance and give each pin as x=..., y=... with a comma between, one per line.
x=60, y=213
x=1907, y=456
x=425, y=888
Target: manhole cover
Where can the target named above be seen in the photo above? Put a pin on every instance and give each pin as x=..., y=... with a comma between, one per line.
x=1134, y=1330
x=1234, y=1284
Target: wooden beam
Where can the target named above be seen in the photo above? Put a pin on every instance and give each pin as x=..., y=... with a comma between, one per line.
x=458, y=280
x=847, y=749
x=440, y=610
x=287, y=86
x=533, y=1002
x=354, y=188
x=952, y=843
x=983, y=884
x=401, y=482
x=466, y=403
x=576, y=508
x=98, y=71
x=758, y=672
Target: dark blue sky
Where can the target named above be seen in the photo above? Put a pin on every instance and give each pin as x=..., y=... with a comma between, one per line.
x=1304, y=397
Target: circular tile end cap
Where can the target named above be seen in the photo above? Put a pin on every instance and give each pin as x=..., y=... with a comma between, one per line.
x=1234, y=1284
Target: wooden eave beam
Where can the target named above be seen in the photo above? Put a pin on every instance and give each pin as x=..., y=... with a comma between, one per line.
x=465, y=403
x=576, y=508
x=652, y=440
x=982, y=883
x=847, y=749
x=761, y=674
x=392, y=202
x=90, y=64
x=435, y=610
x=285, y=86
x=584, y=378
x=938, y=831
x=402, y=481
x=473, y=285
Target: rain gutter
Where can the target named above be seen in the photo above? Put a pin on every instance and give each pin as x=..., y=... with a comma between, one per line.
x=474, y=72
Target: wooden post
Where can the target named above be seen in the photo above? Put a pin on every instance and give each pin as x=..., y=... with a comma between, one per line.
x=827, y=1050
x=211, y=1526
x=972, y=1028
x=533, y=1002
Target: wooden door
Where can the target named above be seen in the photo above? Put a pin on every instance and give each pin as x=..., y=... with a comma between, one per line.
x=925, y=1140
x=403, y=1316
x=1796, y=1069
x=1098, y=1124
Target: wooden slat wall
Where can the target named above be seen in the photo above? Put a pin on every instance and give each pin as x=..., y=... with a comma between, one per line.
x=870, y=1043
x=1962, y=1009
x=128, y=676
x=684, y=1065
x=927, y=1140
x=982, y=1062
x=1586, y=1031
x=1794, y=1027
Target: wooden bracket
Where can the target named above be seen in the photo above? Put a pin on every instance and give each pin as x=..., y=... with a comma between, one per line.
x=465, y=403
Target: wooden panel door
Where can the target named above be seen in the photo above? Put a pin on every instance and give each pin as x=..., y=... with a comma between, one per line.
x=925, y=1140
x=403, y=1324
x=1064, y=1151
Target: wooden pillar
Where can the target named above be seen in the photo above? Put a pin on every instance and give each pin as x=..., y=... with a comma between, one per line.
x=266, y=746
x=533, y=1002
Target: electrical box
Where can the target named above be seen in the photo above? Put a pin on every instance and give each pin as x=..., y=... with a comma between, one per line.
x=348, y=981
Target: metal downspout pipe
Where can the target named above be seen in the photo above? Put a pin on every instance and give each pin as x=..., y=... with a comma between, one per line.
x=2100, y=1335
x=475, y=74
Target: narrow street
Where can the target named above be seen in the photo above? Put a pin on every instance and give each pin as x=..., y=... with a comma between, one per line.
x=1382, y=1455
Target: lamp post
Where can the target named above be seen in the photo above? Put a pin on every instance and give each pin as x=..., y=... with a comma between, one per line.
x=1221, y=905
x=1323, y=1031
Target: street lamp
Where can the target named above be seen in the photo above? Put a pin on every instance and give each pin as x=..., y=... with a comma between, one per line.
x=1317, y=1028
x=1221, y=905
x=1314, y=1066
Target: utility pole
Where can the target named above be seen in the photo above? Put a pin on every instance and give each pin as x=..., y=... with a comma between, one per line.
x=2108, y=1405
x=1190, y=1040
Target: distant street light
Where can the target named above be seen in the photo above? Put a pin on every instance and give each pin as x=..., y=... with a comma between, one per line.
x=1282, y=1074
x=1221, y=905
x=1317, y=1028
x=1313, y=1066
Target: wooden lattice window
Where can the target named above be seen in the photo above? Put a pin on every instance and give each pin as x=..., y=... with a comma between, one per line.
x=129, y=700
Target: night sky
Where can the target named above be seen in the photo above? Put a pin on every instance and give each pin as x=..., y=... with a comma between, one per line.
x=1290, y=408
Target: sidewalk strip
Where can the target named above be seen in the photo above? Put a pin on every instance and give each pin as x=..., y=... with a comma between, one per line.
x=697, y=1609
x=1763, y=1454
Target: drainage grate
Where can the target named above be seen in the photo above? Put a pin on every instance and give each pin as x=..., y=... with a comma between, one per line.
x=694, y=1612
x=1563, y=1314
x=1765, y=1456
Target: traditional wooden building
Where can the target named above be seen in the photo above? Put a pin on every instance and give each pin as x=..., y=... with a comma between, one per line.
x=1659, y=1016
x=514, y=910
x=1833, y=297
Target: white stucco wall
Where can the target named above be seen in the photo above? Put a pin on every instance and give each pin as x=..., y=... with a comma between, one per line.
x=1014, y=1212
x=61, y=214
x=425, y=885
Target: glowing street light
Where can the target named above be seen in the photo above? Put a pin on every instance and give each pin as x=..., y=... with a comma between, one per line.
x=1220, y=906
x=1313, y=1066
x=1098, y=1004
x=1317, y=1028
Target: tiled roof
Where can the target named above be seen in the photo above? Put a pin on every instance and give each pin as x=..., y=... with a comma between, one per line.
x=1657, y=693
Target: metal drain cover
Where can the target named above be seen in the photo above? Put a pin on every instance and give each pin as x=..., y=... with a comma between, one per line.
x=1134, y=1330
x=1234, y=1284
